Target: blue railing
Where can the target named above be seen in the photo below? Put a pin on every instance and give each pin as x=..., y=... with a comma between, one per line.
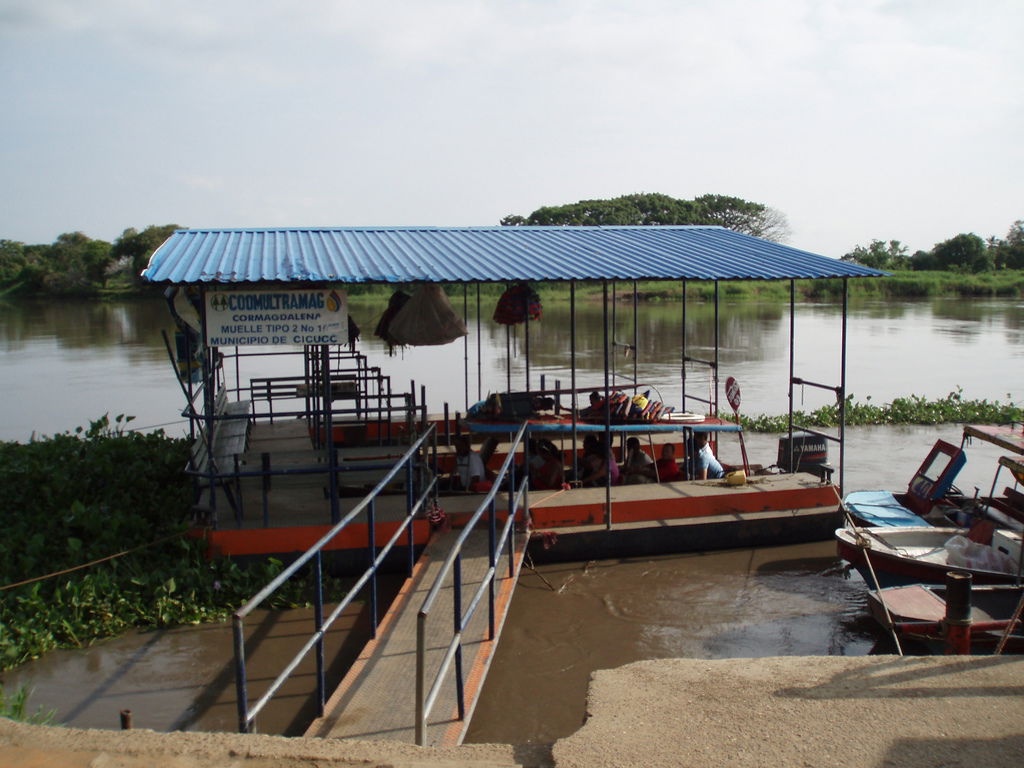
x=453, y=563
x=247, y=714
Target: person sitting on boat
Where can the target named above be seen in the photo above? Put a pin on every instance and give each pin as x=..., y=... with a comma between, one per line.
x=470, y=474
x=705, y=464
x=550, y=473
x=667, y=467
x=638, y=466
x=598, y=463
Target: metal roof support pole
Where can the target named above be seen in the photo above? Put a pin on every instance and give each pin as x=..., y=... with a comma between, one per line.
x=636, y=347
x=682, y=356
x=572, y=373
x=792, y=363
x=526, y=341
x=465, y=341
x=508, y=358
x=328, y=421
x=612, y=331
x=209, y=385
x=607, y=417
x=714, y=373
x=842, y=388
x=479, y=369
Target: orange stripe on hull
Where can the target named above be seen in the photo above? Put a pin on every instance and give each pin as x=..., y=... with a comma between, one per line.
x=262, y=541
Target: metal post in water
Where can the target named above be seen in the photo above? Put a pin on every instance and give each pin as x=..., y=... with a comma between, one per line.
x=409, y=496
x=318, y=623
x=421, y=679
x=371, y=532
x=460, y=693
x=957, y=624
x=265, y=468
x=241, y=685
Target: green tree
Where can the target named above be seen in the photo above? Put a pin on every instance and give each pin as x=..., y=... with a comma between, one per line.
x=133, y=248
x=1009, y=253
x=880, y=255
x=12, y=261
x=74, y=264
x=625, y=210
x=965, y=252
x=654, y=209
x=744, y=216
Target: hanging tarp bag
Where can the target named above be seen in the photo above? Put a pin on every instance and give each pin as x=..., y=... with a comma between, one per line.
x=516, y=304
x=427, y=319
x=383, y=330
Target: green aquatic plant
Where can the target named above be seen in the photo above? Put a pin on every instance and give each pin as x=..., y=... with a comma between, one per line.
x=913, y=409
x=15, y=707
x=85, y=496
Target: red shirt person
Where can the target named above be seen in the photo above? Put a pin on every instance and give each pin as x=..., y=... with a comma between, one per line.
x=668, y=469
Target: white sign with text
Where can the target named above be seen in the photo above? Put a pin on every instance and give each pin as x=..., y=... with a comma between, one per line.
x=274, y=317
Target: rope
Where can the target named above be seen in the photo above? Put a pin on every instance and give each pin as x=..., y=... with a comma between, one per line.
x=861, y=540
x=90, y=564
x=553, y=495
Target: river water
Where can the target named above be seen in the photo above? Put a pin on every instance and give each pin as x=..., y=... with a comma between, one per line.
x=66, y=363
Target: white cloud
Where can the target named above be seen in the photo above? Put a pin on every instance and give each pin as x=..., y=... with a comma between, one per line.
x=858, y=120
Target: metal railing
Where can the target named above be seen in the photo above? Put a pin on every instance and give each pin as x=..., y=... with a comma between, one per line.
x=425, y=699
x=247, y=714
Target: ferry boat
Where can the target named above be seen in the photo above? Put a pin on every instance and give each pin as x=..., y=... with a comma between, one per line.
x=279, y=459
x=331, y=466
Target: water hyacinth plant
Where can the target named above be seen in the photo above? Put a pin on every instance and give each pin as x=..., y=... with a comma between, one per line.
x=913, y=409
x=84, y=496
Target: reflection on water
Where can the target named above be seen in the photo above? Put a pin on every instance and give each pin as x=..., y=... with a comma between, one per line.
x=70, y=361
x=67, y=362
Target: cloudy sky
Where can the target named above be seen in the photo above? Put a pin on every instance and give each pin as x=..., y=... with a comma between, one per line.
x=858, y=119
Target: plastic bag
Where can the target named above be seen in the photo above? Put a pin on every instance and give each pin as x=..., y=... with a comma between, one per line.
x=965, y=553
x=426, y=319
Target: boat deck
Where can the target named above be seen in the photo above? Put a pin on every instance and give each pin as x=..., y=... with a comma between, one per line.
x=290, y=512
x=376, y=699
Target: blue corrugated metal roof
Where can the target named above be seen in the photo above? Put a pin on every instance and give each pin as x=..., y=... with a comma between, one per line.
x=482, y=254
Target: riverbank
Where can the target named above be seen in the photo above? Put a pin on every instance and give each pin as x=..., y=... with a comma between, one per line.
x=779, y=711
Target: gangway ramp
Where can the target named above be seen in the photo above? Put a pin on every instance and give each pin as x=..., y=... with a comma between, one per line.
x=376, y=700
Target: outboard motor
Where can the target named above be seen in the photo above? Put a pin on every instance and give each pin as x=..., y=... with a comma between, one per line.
x=810, y=454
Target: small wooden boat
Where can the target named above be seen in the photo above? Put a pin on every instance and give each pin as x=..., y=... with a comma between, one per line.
x=925, y=554
x=929, y=494
x=917, y=611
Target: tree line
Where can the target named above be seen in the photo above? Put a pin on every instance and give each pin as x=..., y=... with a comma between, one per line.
x=963, y=253
x=77, y=265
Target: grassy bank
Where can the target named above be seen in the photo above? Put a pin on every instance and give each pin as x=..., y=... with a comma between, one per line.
x=77, y=498
x=901, y=285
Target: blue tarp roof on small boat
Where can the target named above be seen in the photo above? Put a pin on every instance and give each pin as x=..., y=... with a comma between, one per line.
x=482, y=254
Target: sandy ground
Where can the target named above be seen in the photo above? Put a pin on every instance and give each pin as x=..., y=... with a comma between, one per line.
x=788, y=712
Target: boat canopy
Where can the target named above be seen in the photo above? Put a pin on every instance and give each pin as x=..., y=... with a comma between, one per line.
x=482, y=254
